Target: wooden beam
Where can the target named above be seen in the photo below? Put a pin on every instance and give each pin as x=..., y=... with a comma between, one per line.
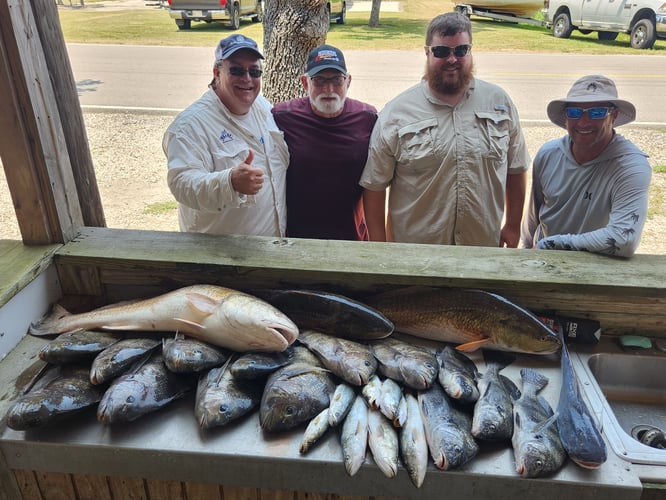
x=32, y=146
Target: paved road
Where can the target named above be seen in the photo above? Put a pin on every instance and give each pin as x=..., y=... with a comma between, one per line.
x=169, y=78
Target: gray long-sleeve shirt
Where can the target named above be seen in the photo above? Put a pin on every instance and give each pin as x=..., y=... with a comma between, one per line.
x=599, y=206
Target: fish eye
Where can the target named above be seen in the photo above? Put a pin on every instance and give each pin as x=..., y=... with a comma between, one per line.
x=223, y=408
x=290, y=410
x=130, y=399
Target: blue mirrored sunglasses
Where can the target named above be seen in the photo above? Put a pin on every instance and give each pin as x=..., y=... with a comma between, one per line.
x=442, y=51
x=596, y=113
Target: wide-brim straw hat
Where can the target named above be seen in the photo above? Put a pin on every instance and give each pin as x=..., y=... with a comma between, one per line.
x=591, y=89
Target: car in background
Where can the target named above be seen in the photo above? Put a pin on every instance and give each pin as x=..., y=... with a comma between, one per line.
x=643, y=20
x=229, y=11
x=337, y=11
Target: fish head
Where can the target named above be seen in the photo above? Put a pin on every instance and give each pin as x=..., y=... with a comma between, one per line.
x=419, y=373
x=255, y=325
x=541, y=340
x=122, y=402
x=456, y=449
x=279, y=410
x=534, y=458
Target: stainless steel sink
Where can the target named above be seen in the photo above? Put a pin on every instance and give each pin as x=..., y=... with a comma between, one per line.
x=627, y=392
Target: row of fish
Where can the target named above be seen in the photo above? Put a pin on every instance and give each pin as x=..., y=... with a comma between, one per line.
x=270, y=320
x=323, y=383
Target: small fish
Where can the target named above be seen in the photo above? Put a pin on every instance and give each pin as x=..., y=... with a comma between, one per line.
x=352, y=362
x=145, y=389
x=341, y=402
x=472, y=318
x=372, y=392
x=295, y=393
x=68, y=391
x=412, y=365
x=222, y=398
x=536, y=443
x=315, y=429
x=254, y=365
x=354, y=436
x=447, y=429
x=383, y=443
x=413, y=445
x=330, y=313
x=119, y=357
x=458, y=374
x=389, y=398
x=187, y=355
x=401, y=414
x=221, y=316
x=493, y=412
x=77, y=347
x=577, y=427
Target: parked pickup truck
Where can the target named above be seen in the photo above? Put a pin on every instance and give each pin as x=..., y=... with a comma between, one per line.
x=644, y=20
x=229, y=11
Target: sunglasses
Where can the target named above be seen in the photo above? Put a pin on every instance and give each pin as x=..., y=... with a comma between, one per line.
x=237, y=71
x=442, y=51
x=596, y=113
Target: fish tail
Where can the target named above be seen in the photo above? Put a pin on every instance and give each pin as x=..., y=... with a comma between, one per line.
x=51, y=323
x=533, y=377
x=499, y=358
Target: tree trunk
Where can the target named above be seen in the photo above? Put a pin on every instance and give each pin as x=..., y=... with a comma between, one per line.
x=292, y=28
x=374, y=13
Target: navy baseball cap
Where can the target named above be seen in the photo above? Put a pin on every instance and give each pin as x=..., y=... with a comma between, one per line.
x=233, y=43
x=325, y=57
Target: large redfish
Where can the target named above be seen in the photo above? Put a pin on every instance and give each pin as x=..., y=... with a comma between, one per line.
x=221, y=316
x=472, y=318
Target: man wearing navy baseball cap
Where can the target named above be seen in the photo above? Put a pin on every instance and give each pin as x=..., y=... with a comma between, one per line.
x=327, y=134
x=227, y=159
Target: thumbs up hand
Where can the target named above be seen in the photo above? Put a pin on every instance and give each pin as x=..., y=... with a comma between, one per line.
x=245, y=178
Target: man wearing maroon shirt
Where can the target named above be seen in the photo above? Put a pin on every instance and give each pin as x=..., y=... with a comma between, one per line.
x=327, y=135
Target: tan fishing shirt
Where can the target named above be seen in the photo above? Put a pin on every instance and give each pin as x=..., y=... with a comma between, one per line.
x=446, y=165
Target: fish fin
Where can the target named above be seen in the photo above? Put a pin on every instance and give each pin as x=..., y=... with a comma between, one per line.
x=189, y=323
x=472, y=346
x=126, y=328
x=47, y=325
x=540, y=427
x=202, y=303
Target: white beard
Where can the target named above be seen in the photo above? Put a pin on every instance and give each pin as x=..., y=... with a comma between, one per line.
x=328, y=107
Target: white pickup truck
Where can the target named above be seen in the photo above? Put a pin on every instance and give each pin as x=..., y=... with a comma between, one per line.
x=229, y=11
x=644, y=20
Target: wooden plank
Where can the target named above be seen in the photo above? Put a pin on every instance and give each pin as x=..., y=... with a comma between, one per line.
x=91, y=487
x=627, y=296
x=268, y=494
x=20, y=265
x=71, y=117
x=128, y=488
x=202, y=491
x=27, y=484
x=165, y=490
x=55, y=486
x=240, y=493
x=32, y=145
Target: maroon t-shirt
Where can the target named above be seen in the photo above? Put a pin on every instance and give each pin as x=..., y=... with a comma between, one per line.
x=327, y=156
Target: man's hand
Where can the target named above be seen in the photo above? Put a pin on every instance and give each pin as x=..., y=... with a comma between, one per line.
x=246, y=179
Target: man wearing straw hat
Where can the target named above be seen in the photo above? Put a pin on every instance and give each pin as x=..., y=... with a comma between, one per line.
x=590, y=187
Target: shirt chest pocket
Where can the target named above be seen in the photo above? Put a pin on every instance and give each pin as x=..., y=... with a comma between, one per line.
x=494, y=130
x=228, y=157
x=417, y=143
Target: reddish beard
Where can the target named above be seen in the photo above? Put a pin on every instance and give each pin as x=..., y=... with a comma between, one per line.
x=450, y=85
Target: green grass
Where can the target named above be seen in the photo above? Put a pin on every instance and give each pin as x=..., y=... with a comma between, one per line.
x=660, y=169
x=160, y=207
x=397, y=31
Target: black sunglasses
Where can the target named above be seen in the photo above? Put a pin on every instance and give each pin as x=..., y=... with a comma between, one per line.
x=237, y=71
x=442, y=51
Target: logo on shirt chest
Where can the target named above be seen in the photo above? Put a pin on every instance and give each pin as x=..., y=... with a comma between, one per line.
x=587, y=195
x=225, y=136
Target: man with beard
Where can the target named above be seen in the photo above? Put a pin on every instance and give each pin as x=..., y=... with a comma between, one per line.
x=227, y=159
x=327, y=134
x=590, y=187
x=452, y=151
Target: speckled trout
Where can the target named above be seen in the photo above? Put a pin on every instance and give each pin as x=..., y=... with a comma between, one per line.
x=215, y=314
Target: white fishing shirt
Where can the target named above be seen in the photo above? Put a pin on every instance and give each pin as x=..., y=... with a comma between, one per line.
x=599, y=206
x=202, y=145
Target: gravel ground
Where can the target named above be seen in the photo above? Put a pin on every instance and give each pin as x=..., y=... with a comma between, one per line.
x=131, y=174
